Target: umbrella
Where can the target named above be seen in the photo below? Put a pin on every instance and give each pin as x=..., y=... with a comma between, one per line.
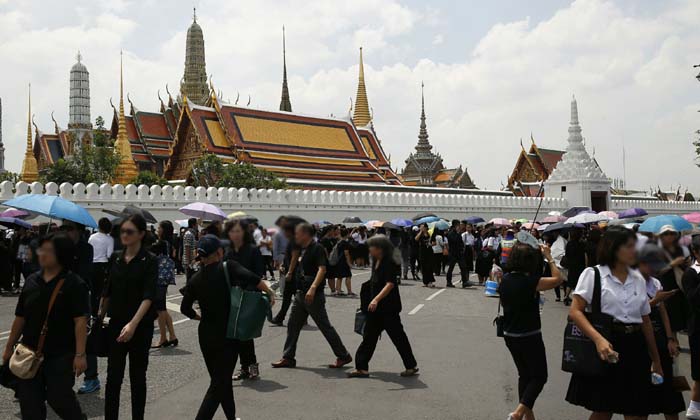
x=182, y=223
x=392, y=226
x=130, y=211
x=553, y=219
x=373, y=224
x=609, y=214
x=575, y=210
x=499, y=221
x=322, y=223
x=440, y=224
x=423, y=216
x=587, y=218
x=557, y=227
x=54, y=207
x=554, y=213
x=473, y=220
x=11, y=212
x=632, y=213
x=692, y=217
x=654, y=224
x=427, y=219
x=352, y=219
x=402, y=222
x=204, y=211
x=237, y=215
x=530, y=225
x=13, y=222
x=521, y=221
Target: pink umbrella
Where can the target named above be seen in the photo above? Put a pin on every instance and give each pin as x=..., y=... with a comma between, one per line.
x=531, y=225
x=692, y=217
x=499, y=221
x=13, y=212
x=609, y=214
x=553, y=219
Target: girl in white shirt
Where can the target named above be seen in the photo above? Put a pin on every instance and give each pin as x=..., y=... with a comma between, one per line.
x=631, y=348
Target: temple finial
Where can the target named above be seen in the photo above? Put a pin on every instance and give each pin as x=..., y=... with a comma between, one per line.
x=79, y=56
x=361, y=117
x=30, y=171
x=194, y=14
x=285, y=102
x=126, y=170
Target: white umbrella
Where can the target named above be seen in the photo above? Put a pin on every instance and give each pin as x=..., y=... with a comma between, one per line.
x=586, y=218
x=204, y=211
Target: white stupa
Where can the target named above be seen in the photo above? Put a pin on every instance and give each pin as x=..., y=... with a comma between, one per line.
x=577, y=177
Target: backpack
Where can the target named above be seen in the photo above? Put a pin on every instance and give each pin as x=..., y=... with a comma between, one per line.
x=334, y=257
x=166, y=270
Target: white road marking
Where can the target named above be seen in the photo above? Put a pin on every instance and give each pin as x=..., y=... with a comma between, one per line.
x=172, y=307
x=181, y=321
x=434, y=295
x=416, y=309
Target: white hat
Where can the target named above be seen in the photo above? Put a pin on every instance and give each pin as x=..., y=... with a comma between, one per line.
x=667, y=229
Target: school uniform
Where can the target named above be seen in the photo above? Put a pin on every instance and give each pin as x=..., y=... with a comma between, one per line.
x=625, y=387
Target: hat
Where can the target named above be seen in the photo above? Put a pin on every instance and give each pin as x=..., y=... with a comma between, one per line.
x=652, y=255
x=667, y=229
x=208, y=245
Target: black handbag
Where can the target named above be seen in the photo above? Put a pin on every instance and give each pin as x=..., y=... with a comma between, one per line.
x=101, y=339
x=498, y=321
x=360, y=321
x=579, y=353
x=7, y=378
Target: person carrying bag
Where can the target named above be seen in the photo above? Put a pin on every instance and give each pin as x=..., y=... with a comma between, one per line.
x=248, y=311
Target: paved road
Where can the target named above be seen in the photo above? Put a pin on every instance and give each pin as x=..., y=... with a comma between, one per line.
x=466, y=371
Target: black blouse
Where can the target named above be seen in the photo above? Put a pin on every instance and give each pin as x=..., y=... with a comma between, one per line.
x=129, y=284
x=386, y=272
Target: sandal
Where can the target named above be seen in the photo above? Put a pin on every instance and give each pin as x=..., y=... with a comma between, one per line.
x=358, y=374
x=409, y=372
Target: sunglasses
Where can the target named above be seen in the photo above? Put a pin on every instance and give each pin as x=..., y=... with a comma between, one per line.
x=128, y=232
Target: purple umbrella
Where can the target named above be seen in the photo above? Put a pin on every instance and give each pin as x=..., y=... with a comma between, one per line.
x=203, y=211
x=13, y=222
x=632, y=213
x=13, y=212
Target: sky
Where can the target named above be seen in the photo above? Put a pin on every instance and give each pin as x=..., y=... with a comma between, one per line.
x=495, y=72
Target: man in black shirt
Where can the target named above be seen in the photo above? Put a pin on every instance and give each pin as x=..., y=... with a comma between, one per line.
x=291, y=257
x=208, y=287
x=455, y=246
x=310, y=300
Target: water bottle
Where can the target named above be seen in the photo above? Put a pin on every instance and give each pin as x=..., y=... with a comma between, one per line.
x=657, y=379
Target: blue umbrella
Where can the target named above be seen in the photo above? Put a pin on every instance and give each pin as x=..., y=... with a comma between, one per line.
x=474, y=220
x=402, y=222
x=427, y=219
x=654, y=224
x=13, y=222
x=440, y=224
x=54, y=207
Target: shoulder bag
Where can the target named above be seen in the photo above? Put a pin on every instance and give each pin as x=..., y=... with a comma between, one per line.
x=25, y=361
x=498, y=321
x=580, y=355
x=248, y=311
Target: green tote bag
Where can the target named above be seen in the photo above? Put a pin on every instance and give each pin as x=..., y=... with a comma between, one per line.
x=248, y=312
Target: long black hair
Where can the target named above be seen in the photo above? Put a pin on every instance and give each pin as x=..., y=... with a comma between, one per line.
x=613, y=239
x=247, y=235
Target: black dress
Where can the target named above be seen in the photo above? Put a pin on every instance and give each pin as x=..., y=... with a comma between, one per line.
x=677, y=305
x=342, y=269
x=329, y=244
x=576, y=261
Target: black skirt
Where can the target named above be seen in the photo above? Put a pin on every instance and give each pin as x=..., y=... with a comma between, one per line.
x=625, y=388
x=484, y=262
x=663, y=399
x=469, y=258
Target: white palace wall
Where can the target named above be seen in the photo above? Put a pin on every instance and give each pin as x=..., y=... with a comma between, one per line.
x=313, y=205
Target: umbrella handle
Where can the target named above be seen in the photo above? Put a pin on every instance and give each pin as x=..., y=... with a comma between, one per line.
x=539, y=206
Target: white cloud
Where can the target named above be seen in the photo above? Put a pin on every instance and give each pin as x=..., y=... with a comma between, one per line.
x=632, y=75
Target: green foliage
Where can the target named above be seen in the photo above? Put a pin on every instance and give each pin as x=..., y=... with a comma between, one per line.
x=100, y=135
x=210, y=171
x=696, y=143
x=149, y=178
x=91, y=164
x=9, y=176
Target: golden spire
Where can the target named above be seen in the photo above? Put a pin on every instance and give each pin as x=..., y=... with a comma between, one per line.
x=30, y=172
x=361, y=117
x=126, y=170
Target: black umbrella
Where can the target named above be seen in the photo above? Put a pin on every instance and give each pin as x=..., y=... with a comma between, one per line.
x=557, y=227
x=389, y=225
x=130, y=211
x=352, y=219
x=422, y=215
x=575, y=211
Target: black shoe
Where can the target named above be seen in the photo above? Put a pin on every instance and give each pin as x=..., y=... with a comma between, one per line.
x=277, y=322
x=450, y=285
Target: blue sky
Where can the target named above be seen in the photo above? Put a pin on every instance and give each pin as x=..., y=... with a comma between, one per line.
x=494, y=71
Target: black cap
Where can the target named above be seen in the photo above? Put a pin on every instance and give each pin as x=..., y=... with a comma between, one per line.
x=652, y=255
x=208, y=245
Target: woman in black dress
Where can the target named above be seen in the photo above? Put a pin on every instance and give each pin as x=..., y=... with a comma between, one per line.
x=329, y=237
x=520, y=297
x=631, y=348
x=677, y=260
x=485, y=256
x=425, y=255
x=342, y=269
x=381, y=304
x=575, y=258
x=691, y=286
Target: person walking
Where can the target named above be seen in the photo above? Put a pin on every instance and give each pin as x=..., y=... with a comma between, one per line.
x=162, y=249
x=630, y=350
x=455, y=248
x=265, y=246
x=469, y=241
x=310, y=301
x=291, y=259
x=691, y=286
x=663, y=398
x=189, y=248
x=63, y=331
x=244, y=251
x=209, y=288
x=520, y=297
x=677, y=260
x=381, y=303
x=425, y=256
x=439, y=246
x=414, y=256
x=127, y=299
x=343, y=268
x=574, y=261
x=328, y=239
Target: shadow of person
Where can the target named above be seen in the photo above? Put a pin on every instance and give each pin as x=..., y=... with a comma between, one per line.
x=168, y=352
x=326, y=372
x=263, y=385
x=411, y=382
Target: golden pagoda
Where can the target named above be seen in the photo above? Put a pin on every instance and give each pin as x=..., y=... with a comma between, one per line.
x=361, y=117
x=29, y=173
x=126, y=170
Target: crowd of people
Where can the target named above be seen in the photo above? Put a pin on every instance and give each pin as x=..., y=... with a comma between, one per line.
x=647, y=285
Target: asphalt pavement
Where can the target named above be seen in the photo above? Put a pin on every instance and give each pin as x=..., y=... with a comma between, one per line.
x=466, y=372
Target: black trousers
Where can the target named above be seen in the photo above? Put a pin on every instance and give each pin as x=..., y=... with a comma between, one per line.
x=426, y=267
x=53, y=383
x=457, y=259
x=246, y=349
x=391, y=323
x=101, y=270
x=136, y=350
x=220, y=357
x=530, y=359
x=268, y=265
x=287, y=296
x=17, y=267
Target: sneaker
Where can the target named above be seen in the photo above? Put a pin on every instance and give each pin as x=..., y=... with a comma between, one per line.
x=89, y=386
x=242, y=375
x=692, y=414
x=254, y=371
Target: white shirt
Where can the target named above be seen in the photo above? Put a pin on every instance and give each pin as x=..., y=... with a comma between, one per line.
x=359, y=238
x=265, y=245
x=653, y=287
x=102, y=246
x=559, y=250
x=439, y=243
x=627, y=302
x=257, y=236
x=468, y=239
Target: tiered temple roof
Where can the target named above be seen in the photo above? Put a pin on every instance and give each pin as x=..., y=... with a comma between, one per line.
x=532, y=168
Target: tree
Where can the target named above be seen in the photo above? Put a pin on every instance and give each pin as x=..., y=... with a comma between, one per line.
x=210, y=171
x=90, y=164
x=13, y=177
x=149, y=178
x=100, y=135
